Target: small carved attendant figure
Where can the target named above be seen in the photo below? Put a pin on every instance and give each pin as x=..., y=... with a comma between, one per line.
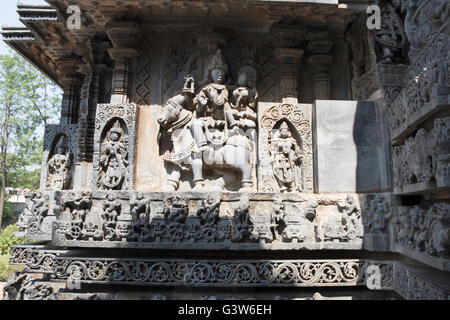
x=111, y=210
x=245, y=98
x=113, y=159
x=286, y=160
x=59, y=166
x=140, y=210
x=241, y=222
x=277, y=215
x=351, y=218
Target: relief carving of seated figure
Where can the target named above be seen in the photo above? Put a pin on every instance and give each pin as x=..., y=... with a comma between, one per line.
x=211, y=103
x=201, y=138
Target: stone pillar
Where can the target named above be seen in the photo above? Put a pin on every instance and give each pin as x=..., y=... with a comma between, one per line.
x=319, y=48
x=290, y=59
x=72, y=84
x=86, y=125
x=123, y=36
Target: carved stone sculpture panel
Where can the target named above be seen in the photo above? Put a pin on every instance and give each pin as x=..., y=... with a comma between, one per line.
x=285, y=148
x=421, y=164
x=422, y=232
x=212, y=221
x=59, y=157
x=211, y=131
x=114, y=144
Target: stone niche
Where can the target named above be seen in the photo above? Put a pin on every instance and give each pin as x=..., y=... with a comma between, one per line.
x=114, y=144
x=59, y=157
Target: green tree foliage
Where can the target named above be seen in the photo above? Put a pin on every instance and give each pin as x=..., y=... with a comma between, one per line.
x=28, y=102
x=7, y=239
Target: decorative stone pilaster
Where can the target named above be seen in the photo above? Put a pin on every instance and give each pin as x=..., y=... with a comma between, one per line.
x=72, y=84
x=319, y=48
x=86, y=126
x=123, y=35
x=290, y=59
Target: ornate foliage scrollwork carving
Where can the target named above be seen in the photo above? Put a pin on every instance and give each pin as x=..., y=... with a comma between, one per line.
x=214, y=273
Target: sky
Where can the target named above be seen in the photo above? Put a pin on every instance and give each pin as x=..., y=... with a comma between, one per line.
x=9, y=16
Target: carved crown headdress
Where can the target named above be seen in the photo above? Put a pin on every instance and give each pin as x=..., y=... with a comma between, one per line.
x=61, y=144
x=218, y=62
x=117, y=128
x=284, y=125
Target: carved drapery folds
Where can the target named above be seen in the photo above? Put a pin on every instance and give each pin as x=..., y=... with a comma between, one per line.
x=114, y=147
x=285, y=148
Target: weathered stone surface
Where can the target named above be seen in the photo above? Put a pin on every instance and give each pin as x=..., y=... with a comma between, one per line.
x=350, y=147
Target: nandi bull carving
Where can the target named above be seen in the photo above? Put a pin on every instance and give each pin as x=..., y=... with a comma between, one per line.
x=201, y=133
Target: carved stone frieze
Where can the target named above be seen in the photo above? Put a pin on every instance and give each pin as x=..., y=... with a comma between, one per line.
x=114, y=147
x=422, y=233
x=421, y=164
x=243, y=273
x=285, y=148
x=35, y=257
x=212, y=221
x=412, y=285
x=25, y=287
x=425, y=92
x=424, y=21
x=35, y=222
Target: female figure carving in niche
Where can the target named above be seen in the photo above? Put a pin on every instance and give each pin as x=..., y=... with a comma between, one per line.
x=286, y=160
x=245, y=98
x=113, y=159
x=59, y=166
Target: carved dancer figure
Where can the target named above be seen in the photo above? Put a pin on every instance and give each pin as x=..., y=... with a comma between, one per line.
x=59, y=166
x=113, y=159
x=286, y=160
x=351, y=218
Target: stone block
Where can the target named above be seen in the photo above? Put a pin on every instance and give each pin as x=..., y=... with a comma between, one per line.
x=351, y=148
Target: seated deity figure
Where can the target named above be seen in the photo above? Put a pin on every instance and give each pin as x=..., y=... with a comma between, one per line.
x=286, y=160
x=212, y=102
x=245, y=98
x=113, y=159
x=59, y=166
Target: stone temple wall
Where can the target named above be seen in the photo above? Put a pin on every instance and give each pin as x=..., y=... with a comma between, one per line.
x=248, y=146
